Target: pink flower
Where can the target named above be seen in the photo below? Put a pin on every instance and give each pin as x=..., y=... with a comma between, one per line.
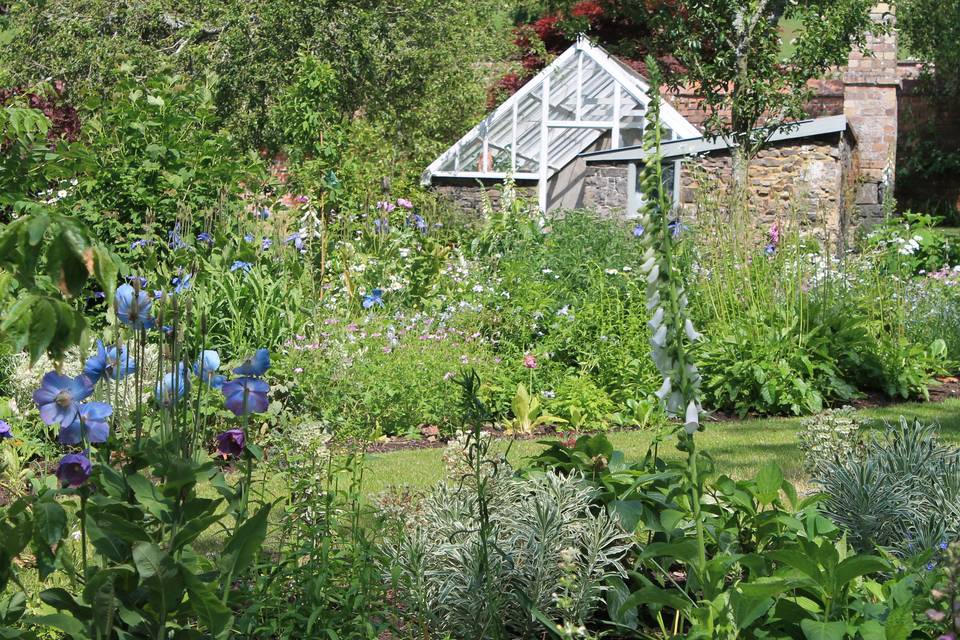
x=383, y=205
x=529, y=361
x=298, y=370
x=448, y=375
x=352, y=327
x=403, y=202
x=775, y=234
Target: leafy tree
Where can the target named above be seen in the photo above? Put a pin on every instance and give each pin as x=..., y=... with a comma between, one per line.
x=420, y=66
x=730, y=52
x=931, y=31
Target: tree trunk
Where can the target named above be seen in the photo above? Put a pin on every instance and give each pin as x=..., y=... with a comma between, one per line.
x=739, y=174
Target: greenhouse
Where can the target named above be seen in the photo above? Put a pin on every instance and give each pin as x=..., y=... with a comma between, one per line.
x=585, y=100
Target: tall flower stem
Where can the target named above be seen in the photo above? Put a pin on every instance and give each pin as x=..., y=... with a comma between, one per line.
x=83, y=531
x=248, y=473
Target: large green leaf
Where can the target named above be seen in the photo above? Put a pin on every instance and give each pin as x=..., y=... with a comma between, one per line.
x=820, y=630
x=60, y=621
x=857, y=566
x=211, y=612
x=769, y=481
x=245, y=542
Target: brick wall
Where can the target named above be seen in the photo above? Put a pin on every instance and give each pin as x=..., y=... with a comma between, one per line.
x=469, y=196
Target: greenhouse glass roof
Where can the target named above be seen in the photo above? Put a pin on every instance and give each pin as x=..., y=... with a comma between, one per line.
x=564, y=109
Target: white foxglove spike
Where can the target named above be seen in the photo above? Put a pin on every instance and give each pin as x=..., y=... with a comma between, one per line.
x=664, y=389
x=661, y=358
x=646, y=266
x=654, y=301
x=675, y=403
x=659, y=338
x=654, y=274
x=692, y=334
x=656, y=320
x=692, y=421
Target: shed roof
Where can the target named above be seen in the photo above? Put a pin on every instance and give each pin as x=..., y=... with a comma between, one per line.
x=675, y=149
x=564, y=109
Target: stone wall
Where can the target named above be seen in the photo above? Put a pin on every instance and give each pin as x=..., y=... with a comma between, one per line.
x=605, y=189
x=469, y=196
x=811, y=177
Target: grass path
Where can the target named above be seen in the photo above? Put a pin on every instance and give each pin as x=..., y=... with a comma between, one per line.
x=738, y=448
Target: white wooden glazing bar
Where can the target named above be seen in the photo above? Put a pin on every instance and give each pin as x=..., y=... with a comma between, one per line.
x=513, y=138
x=544, y=143
x=615, y=129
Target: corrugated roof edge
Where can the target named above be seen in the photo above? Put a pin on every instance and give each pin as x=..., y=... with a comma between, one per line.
x=695, y=146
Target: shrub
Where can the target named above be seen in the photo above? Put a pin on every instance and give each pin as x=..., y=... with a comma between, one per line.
x=830, y=438
x=551, y=553
x=902, y=492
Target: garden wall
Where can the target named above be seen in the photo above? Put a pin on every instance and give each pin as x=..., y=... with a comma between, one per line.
x=813, y=176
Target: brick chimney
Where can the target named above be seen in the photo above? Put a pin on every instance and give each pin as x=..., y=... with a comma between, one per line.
x=870, y=105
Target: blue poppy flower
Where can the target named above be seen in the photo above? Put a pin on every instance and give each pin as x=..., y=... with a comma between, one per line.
x=181, y=284
x=174, y=240
x=770, y=249
x=255, y=365
x=246, y=395
x=676, y=228
x=297, y=239
x=206, y=367
x=374, y=298
x=91, y=423
x=58, y=396
x=240, y=264
x=205, y=237
x=139, y=244
x=263, y=213
x=107, y=361
x=638, y=231
x=133, y=307
x=5, y=430
x=248, y=237
x=171, y=388
x=417, y=221
x=74, y=469
x=381, y=226
x=266, y=244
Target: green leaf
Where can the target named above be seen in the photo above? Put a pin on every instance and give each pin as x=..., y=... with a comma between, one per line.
x=148, y=559
x=43, y=326
x=60, y=621
x=819, y=630
x=51, y=522
x=245, y=542
x=747, y=609
x=651, y=595
x=769, y=481
x=61, y=600
x=211, y=612
x=629, y=512
x=858, y=566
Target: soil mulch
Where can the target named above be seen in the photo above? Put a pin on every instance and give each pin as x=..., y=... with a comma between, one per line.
x=948, y=388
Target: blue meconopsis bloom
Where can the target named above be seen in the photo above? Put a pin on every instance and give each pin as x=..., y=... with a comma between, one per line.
x=374, y=298
x=74, y=469
x=133, y=307
x=171, y=387
x=59, y=396
x=108, y=361
x=90, y=424
x=255, y=365
x=181, y=283
x=240, y=264
x=206, y=368
x=246, y=395
x=205, y=237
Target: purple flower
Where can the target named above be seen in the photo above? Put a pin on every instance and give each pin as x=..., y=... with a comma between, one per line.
x=74, y=469
x=380, y=225
x=108, y=361
x=133, y=307
x=638, y=231
x=230, y=443
x=374, y=298
x=263, y=213
x=246, y=395
x=403, y=202
x=5, y=431
x=91, y=424
x=139, y=244
x=205, y=237
x=240, y=264
x=770, y=249
x=266, y=244
x=255, y=365
x=385, y=206
x=248, y=237
x=58, y=396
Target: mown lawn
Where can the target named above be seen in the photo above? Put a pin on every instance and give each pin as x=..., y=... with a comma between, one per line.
x=738, y=448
